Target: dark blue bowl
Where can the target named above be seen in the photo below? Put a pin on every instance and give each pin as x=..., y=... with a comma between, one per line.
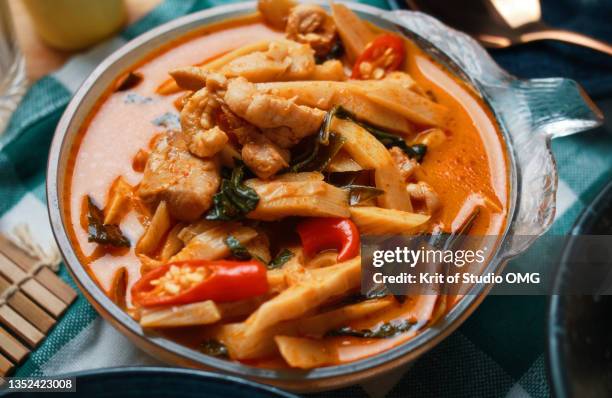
x=150, y=382
x=580, y=326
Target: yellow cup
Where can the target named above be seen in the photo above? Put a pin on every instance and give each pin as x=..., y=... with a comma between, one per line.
x=76, y=24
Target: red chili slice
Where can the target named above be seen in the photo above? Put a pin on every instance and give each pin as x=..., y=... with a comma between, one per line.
x=226, y=281
x=386, y=52
x=319, y=234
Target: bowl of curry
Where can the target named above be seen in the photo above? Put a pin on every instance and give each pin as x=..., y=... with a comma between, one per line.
x=209, y=183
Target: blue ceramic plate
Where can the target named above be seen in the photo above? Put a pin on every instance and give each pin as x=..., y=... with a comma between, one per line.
x=580, y=326
x=148, y=382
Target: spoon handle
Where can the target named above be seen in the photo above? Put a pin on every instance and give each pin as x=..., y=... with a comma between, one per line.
x=567, y=37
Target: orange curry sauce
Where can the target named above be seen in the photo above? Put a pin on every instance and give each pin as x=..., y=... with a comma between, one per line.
x=469, y=166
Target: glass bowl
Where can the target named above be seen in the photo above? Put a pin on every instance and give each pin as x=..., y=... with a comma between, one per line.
x=529, y=113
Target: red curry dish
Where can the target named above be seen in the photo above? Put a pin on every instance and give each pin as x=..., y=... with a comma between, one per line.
x=219, y=189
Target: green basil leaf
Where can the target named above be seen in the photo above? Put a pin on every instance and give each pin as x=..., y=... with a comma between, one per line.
x=280, y=259
x=315, y=152
x=383, y=331
x=361, y=193
x=234, y=199
x=318, y=156
x=237, y=249
x=325, y=129
x=214, y=348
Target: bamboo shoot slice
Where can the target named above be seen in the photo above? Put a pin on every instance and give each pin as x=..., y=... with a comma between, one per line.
x=372, y=154
x=342, y=163
x=298, y=299
x=326, y=94
x=173, y=243
x=305, y=353
x=353, y=31
x=210, y=244
x=119, y=201
x=312, y=198
x=414, y=107
x=232, y=335
x=379, y=221
x=157, y=229
x=321, y=260
x=118, y=288
x=360, y=145
x=254, y=337
x=297, y=177
x=201, y=313
x=388, y=178
x=318, y=325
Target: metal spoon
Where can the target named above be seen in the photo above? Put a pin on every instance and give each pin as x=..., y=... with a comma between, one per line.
x=503, y=23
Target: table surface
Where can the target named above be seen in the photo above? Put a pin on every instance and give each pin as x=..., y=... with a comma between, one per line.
x=42, y=59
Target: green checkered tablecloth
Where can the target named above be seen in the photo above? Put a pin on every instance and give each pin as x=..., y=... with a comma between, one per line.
x=499, y=351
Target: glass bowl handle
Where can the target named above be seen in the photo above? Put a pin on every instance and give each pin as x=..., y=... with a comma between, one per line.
x=557, y=107
x=536, y=111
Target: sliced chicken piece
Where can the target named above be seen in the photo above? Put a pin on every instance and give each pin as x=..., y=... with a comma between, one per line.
x=284, y=60
x=197, y=113
x=208, y=143
x=268, y=111
x=216, y=83
x=185, y=182
x=281, y=136
x=198, y=117
x=405, y=165
x=310, y=24
x=264, y=157
x=422, y=191
x=230, y=122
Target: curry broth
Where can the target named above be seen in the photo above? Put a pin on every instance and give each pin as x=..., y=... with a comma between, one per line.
x=470, y=166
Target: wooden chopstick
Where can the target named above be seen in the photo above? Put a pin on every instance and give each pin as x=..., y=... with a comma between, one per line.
x=12, y=347
x=32, y=287
x=45, y=276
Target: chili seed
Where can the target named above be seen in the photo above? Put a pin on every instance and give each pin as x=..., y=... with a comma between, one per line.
x=172, y=287
x=388, y=60
x=365, y=68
